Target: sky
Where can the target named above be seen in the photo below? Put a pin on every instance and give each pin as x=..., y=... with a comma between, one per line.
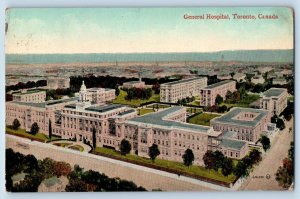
x=130, y=30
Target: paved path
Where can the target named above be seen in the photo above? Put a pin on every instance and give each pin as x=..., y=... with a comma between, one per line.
x=142, y=176
x=263, y=176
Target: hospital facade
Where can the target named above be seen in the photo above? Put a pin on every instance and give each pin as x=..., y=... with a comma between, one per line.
x=79, y=117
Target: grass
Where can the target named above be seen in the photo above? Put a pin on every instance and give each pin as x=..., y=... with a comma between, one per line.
x=121, y=99
x=194, y=170
x=144, y=111
x=23, y=133
x=244, y=102
x=193, y=110
x=202, y=119
x=159, y=106
x=77, y=148
x=62, y=144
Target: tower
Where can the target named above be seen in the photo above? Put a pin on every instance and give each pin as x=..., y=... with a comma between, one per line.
x=83, y=93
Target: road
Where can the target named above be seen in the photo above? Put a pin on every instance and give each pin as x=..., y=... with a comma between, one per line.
x=142, y=176
x=263, y=176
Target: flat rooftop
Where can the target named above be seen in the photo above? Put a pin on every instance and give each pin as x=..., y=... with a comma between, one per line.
x=229, y=118
x=126, y=112
x=232, y=144
x=218, y=84
x=274, y=92
x=157, y=118
x=183, y=81
x=131, y=82
x=28, y=92
x=46, y=103
x=104, y=108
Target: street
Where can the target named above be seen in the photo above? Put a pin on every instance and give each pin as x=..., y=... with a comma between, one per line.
x=263, y=176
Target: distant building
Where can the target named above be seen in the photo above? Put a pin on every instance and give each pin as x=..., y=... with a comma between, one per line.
x=134, y=84
x=239, y=77
x=246, y=123
x=96, y=95
x=274, y=100
x=34, y=96
x=257, y=79
x=224, y=76
x=58, y=82
x=173, y=91
x=279, y=81
x=208, y=94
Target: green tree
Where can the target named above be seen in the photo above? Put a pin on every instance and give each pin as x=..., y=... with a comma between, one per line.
x=218, y=99
x=50, y=129
x=291, y=151
x=188, y=157
x=241, y=170
x=117, y=90
x=34, y=128
x=153, y=152
x=255, y=156
x=94, y=138
x=280, y=124
x=125, y=147
x=232, y=74
x=16, y=124
x=209, y=160
x=219, y=158
x=265, y=141
x=227, y=166
x=285, y=174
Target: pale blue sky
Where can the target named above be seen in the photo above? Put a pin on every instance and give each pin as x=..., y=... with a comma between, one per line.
x=113, y=30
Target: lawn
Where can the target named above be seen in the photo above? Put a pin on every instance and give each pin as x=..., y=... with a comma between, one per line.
x=202, y=119
x=77, y=148
x=62, y=144
x=194, y=170
x=135, y=102
x=144, y=111
x=158, y=106
x=23, y=133
x=244, y=102
x=193, y=110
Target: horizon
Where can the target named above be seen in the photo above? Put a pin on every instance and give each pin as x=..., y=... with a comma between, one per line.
x=287, y=49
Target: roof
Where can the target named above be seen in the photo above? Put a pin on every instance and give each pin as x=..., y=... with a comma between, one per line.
x=228, y=118
x=28, y=92
x=126, y=112
x=218, y=84
x=158, y=118
x=183, y=81
x=232, y=144
x=102, y=109
x=228, y=134
x=131, y=82
x=46, y=103
x=274, y=92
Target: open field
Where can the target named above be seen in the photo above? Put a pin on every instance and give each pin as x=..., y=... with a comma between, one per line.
x=121, y=99
x=202, y=118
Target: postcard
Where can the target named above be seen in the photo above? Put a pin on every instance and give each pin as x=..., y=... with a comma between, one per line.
x=149, y=99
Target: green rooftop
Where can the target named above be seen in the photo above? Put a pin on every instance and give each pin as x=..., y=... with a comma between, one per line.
x=29, y=92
